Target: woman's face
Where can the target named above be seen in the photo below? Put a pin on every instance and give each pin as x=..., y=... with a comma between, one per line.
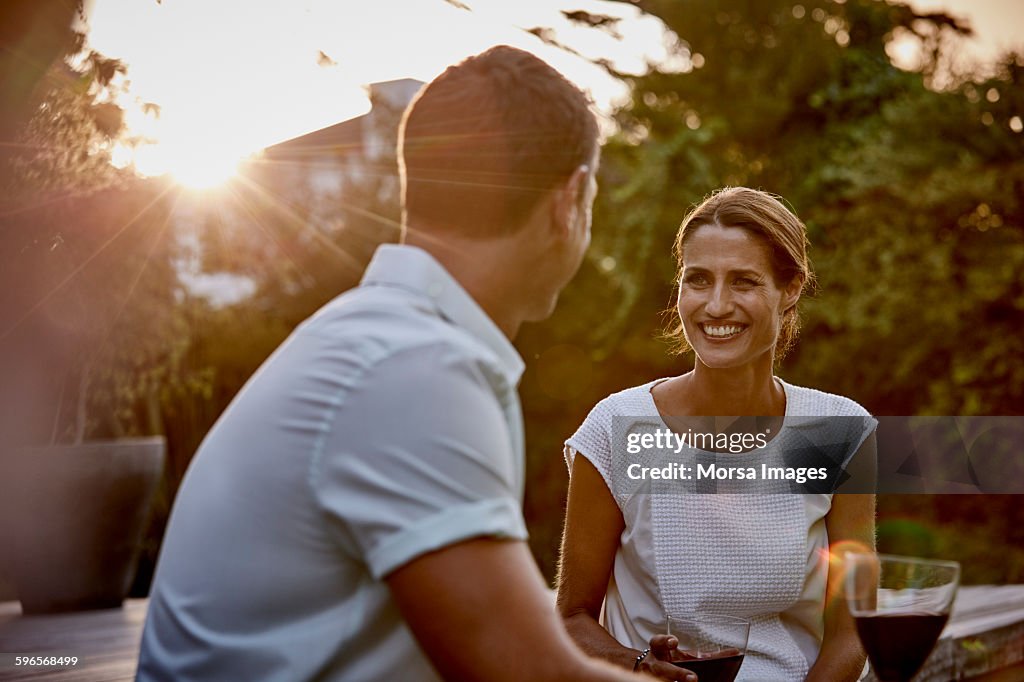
x=729, y=302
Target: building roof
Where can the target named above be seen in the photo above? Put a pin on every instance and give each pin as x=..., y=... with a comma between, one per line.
x=347, y=137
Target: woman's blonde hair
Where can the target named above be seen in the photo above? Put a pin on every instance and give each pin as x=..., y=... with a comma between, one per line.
x=765, y=215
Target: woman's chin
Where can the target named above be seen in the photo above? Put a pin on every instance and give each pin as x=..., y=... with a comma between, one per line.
x=727, y=358
x=715, y=361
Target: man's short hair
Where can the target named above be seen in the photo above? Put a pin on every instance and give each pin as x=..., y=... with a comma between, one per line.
x=481, y=144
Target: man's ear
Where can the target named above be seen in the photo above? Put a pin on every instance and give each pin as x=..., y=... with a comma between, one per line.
x=567, y=202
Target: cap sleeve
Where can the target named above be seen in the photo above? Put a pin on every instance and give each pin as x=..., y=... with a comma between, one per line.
x=593, y=440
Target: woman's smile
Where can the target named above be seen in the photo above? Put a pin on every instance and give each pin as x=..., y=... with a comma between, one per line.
x=718, y=331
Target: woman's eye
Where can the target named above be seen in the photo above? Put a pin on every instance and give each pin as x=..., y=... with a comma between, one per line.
x=746, y=282
x=696, y=280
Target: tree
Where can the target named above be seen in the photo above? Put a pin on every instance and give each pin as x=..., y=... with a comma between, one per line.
x=33, y=34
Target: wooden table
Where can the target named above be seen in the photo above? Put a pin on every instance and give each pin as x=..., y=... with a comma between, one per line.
x=984, y=640
x=106, y=642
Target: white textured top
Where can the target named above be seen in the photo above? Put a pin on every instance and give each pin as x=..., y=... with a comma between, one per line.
x=756, y=556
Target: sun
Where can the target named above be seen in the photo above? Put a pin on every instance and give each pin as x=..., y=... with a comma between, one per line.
x=195, y=155
x=194, y=160
x=193, y=163
x=203, y=171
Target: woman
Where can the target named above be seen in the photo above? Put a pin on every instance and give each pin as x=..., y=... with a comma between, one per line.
x=629, y=559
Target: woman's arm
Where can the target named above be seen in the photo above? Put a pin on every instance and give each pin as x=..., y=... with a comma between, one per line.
x=851, y=526
x=593, y=525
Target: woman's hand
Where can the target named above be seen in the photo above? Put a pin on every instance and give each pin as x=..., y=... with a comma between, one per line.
x=657, y=662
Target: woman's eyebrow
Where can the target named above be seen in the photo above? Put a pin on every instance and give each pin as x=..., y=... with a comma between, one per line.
x=742, y=271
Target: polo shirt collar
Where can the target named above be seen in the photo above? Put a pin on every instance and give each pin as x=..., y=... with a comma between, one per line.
x=412, y=268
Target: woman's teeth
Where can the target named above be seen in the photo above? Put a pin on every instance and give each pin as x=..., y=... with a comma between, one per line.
x=721, y=332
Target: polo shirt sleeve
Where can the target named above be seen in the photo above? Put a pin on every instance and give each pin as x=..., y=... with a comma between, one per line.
x=418, y=457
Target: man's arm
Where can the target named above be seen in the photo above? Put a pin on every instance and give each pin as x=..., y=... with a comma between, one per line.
x=481, y=611
x=430, y=504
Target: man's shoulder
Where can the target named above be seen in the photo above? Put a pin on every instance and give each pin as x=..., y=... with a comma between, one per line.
x=383, y=325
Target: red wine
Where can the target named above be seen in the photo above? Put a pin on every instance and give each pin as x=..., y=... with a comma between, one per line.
x=898, y=643
x=714, y=669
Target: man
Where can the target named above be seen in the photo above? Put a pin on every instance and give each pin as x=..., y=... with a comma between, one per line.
x=355, y=513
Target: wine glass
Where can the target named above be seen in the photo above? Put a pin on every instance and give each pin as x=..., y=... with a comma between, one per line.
x=900, y=605
x=712, y=646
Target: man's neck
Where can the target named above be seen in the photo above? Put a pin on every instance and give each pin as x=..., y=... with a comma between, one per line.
x=483, y=268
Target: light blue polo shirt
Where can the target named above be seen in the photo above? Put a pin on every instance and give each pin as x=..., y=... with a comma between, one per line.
x=385, y=427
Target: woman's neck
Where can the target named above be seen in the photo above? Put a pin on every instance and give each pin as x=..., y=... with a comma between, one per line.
x=750, y=390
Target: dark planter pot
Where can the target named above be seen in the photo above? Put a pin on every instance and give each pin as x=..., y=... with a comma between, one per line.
x=74, y=516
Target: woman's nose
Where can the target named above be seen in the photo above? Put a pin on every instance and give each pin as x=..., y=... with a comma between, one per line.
x=719, y=302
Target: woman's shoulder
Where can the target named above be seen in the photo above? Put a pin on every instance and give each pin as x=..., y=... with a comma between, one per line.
x=810, y=402
x=594, y=436
x=634, y=401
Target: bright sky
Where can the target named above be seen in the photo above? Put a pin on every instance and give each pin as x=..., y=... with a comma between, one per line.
x=234, y=76
x=997, y=23
x=231, y=80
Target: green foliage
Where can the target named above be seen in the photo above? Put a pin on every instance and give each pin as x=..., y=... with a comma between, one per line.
x=911, y=195
x=66, y=144
x=982, y=532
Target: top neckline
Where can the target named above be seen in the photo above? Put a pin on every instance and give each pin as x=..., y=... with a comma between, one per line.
x=786, y=390
x=787, y=413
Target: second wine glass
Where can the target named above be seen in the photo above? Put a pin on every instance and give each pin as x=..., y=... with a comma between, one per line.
x=900, y=605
